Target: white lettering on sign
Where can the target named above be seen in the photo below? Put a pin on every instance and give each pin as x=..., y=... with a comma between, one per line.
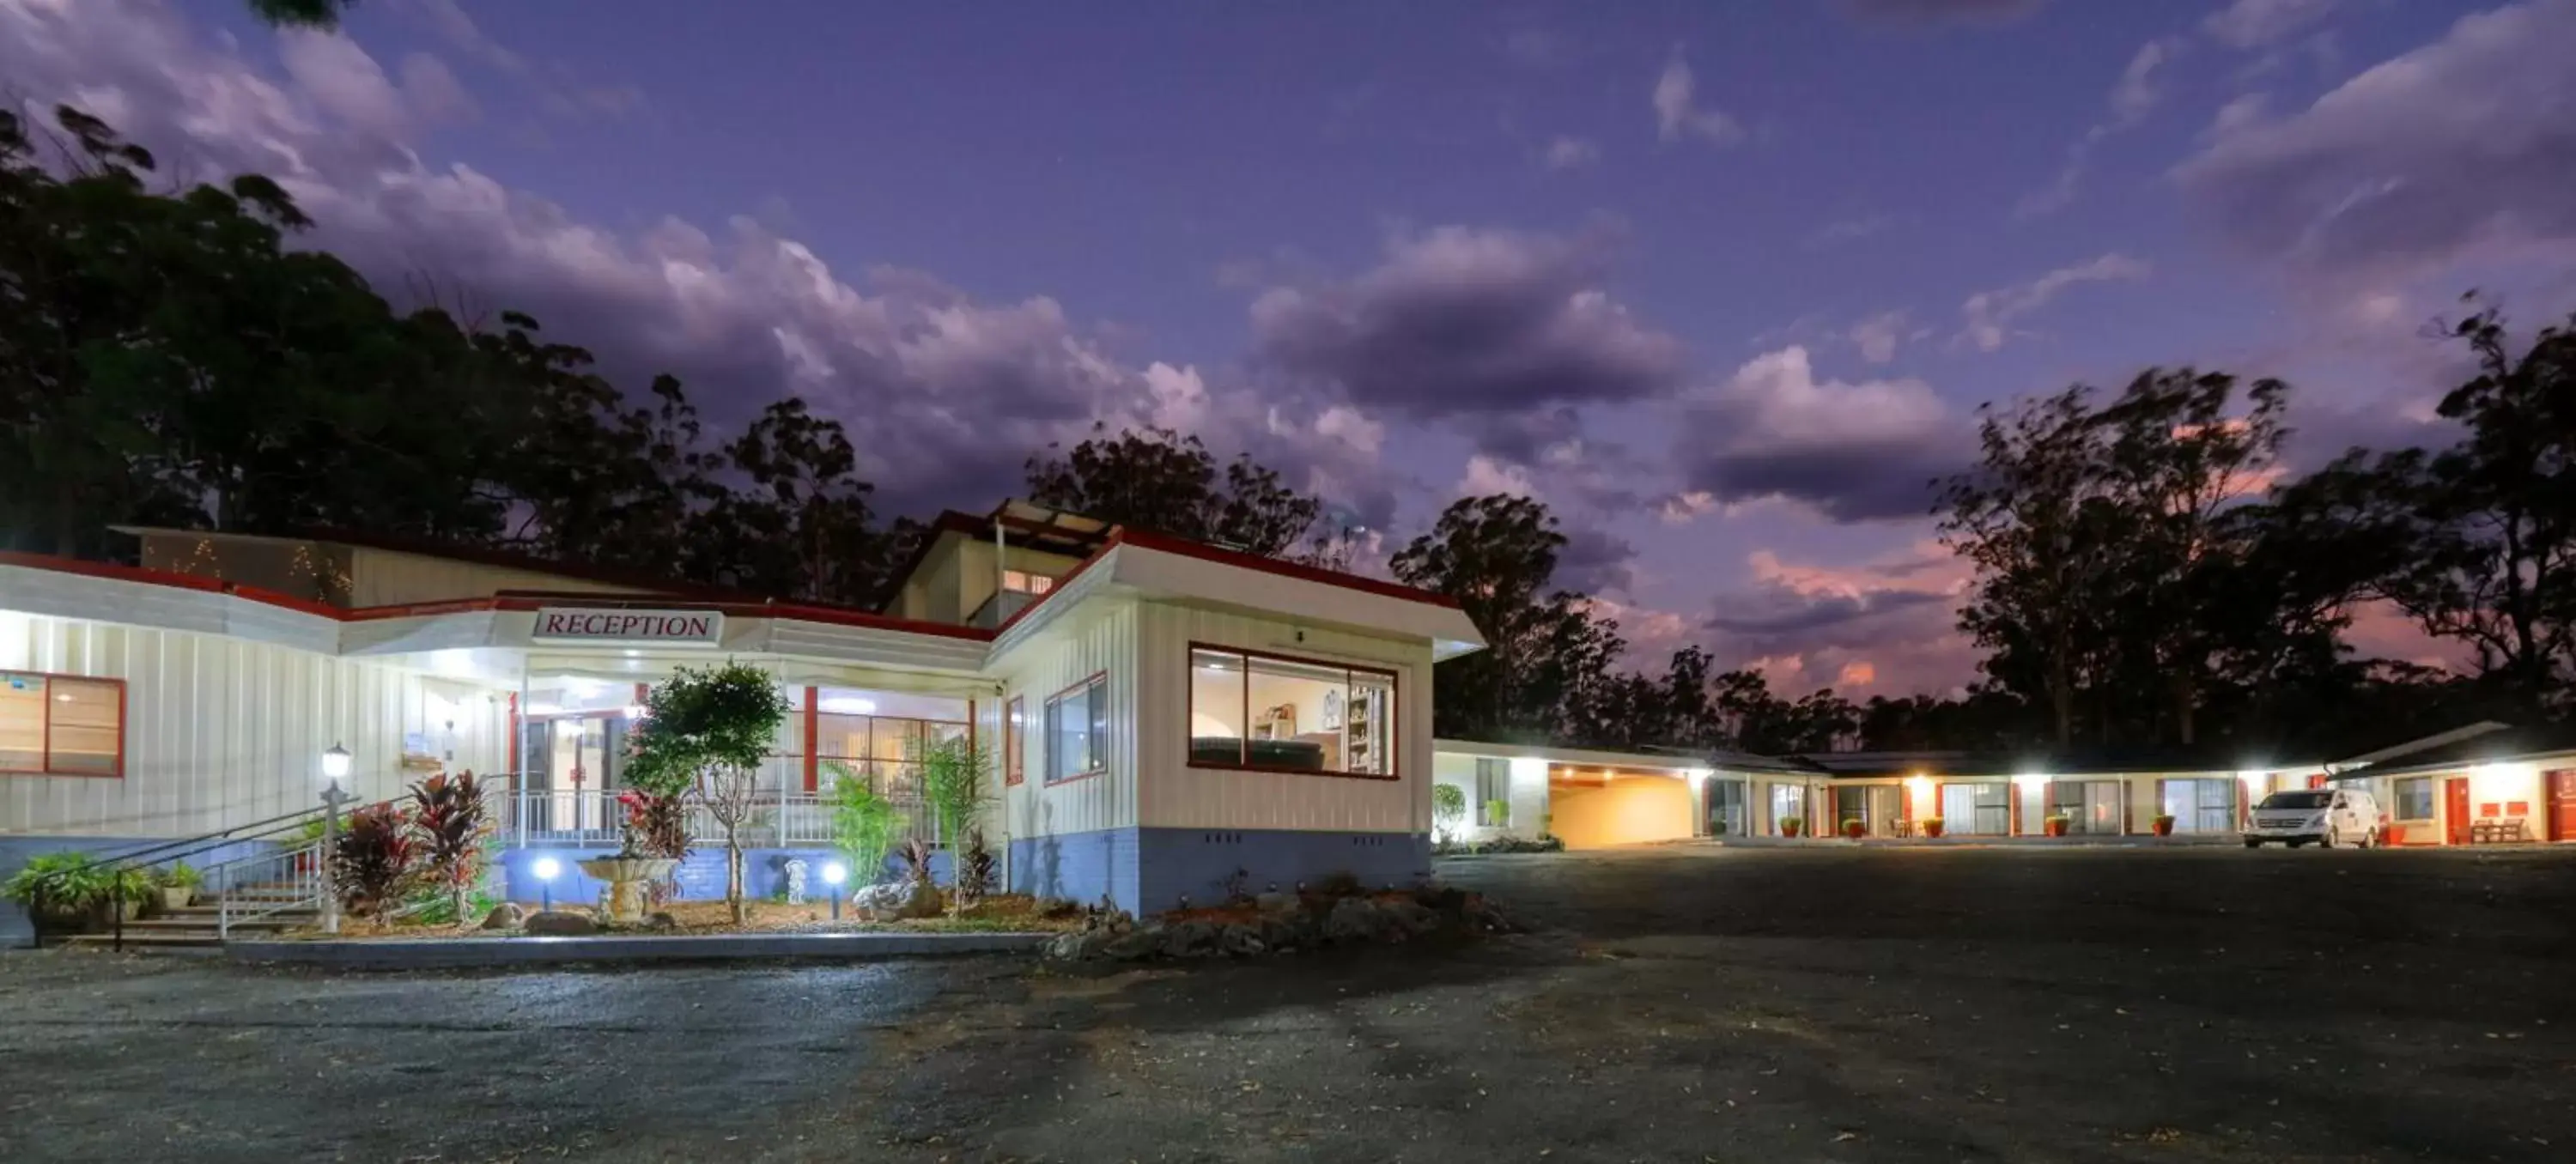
x=638, y=626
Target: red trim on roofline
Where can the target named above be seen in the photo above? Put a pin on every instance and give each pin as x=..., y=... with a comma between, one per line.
x=1204, y=552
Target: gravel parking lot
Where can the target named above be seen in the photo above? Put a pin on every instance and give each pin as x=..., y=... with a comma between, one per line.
x=1686, y=1003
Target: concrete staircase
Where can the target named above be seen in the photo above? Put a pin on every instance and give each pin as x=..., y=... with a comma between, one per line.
x=195, y=929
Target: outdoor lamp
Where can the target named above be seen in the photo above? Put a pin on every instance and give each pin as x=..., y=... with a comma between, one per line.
x=834, y=874
x=546, y=868
x=335, y=763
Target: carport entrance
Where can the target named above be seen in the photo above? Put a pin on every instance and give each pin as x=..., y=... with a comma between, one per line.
x=1593, y=808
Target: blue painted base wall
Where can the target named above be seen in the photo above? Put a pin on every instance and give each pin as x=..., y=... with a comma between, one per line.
x=15, y=851
x=1151, y=870
x=702, y=873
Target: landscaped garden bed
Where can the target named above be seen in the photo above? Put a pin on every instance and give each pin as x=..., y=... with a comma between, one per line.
x=1000, y=913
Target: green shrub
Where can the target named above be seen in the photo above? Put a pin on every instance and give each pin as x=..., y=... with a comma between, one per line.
x=182, y=875
x=1448, y=806
x=863, y=823
x=58, y=881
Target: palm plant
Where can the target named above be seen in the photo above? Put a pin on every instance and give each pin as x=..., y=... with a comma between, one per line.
x=952, y=780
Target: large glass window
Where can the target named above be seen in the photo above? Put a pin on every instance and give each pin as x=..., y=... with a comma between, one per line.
x=1273, y=712
x=1787, y=801
x=1077, y=730
x=2201, y=806
x=2415, y=798
x=61, y=726
x=2089, y=806
x=1976, y=809
x=1493, y=792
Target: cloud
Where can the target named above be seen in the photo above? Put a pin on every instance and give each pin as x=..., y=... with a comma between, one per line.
x=1989, y=315
x=1851, y=229
x=1878, y=335
x=553, y=85
x=1678, y=117
x=2461, y=150
x=1885, y=625
x=1854, y=452
x=1487, y=476
x=2240, y=113
x=2136, y=93
x=434, y=91
x=1569, y=153
x=1538, y=48
x=1594, y=561
x=1459, y=321
x=2248, y=24
x=2133, y=97
x=944, y=393
x=1902, y=12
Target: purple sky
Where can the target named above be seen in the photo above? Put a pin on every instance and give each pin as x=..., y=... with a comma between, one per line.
x=1722, y=284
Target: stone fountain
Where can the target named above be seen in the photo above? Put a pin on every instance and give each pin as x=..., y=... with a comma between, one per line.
x=630, y=882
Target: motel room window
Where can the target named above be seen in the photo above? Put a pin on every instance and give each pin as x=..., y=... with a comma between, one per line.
x=2201, y=806
x=1280, y=713
x=2415, y=798
x=1015, y=740
x=1077, y=730
x=1024, y=582
x=1493, y=791
x=1982, y=808
x=61, y=725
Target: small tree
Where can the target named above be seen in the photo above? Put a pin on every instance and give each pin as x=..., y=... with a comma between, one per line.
x=450, y=823
x=1448, y=808
x=863, y=822
x=703, y=735
x=375, y=859
x=952, y=780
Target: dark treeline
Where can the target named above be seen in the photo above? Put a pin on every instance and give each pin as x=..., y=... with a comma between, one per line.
x=2146, y=570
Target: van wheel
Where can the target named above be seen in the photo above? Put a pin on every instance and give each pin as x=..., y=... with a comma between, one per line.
x=2253, y=844
x=2327, y=841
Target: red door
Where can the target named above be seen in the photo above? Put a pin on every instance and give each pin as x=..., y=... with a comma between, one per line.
x=2562, y=805
x=2455, y=808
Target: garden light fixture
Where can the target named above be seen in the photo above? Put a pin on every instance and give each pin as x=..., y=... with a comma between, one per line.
x=546, y=869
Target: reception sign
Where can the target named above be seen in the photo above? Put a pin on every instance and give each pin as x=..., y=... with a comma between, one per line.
x=580, y=624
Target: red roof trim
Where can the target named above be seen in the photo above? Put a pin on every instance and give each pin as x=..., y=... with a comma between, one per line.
x=1204, y=552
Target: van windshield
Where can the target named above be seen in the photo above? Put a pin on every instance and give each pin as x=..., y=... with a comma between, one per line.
x=2313, y=798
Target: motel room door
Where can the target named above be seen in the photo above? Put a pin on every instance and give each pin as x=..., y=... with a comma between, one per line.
x=2455, y=809
x=2562, y=804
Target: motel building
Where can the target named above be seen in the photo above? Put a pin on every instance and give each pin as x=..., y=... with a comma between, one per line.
x=2480, y=785
x=1164, y=714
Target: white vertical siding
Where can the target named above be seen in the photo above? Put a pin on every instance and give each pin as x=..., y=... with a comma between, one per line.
x=1099, y=641
x=220, y=731
x=1174, y=795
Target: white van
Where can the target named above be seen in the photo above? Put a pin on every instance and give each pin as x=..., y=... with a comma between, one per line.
x=2329, y=816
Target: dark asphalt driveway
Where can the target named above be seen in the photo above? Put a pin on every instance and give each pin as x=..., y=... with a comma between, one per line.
x=1682, y=1004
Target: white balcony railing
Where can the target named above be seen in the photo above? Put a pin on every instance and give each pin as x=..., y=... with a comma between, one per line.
x=591, y=817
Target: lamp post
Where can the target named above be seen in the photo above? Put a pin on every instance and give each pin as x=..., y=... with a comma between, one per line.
x=546, y=868
x=335, y=764
x=833, y=875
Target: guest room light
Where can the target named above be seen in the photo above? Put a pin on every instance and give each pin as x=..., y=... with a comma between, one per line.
x=845, y=705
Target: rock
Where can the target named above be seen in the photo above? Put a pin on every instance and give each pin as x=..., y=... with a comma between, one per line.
x=558, y=924
x=1133, y=945
x=1357, y=919
x=899, y=899
x=506, y=916
x=1193, y=939
x=1241, y=942
x=661, y=922
x=1408, y=919
x=1277, y=902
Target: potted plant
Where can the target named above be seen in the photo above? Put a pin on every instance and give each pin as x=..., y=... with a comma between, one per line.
x=61, y=891
x=2056, y=824
x=1791, y=826
x=1932, y=826
x=2164, y=825
x=179, y=885
x=1854, y=829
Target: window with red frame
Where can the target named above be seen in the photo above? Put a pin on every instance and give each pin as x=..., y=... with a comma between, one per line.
x=1015, y=740
x=61, y=725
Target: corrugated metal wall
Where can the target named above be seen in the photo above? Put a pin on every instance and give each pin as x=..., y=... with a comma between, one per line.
x=1101, y=642
x=1174, y=795
x=220, y=731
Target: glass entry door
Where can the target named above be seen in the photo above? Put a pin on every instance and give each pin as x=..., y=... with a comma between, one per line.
x=1726, y=807
x=573, y=763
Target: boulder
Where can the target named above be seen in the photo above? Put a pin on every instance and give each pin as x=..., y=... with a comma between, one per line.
x=1277, y=902
x=661, y=922
x=508, y=915
x=899, y=899
x=1196, y=938
x=1241, y=942
x=1358, y=919
x=558, y=924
